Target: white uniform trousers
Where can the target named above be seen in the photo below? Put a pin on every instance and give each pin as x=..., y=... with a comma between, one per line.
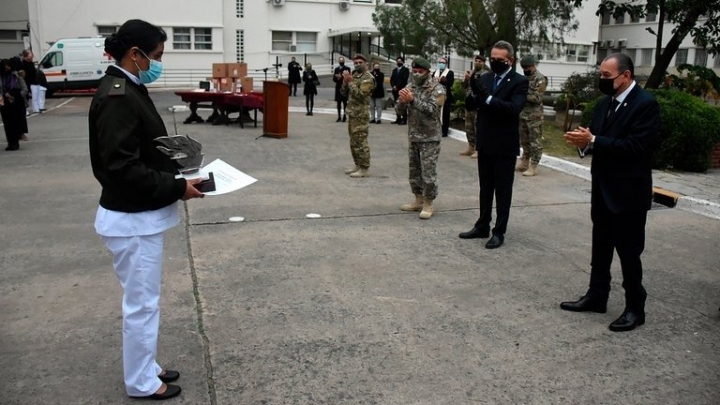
x=138, y=265
x=38, y=97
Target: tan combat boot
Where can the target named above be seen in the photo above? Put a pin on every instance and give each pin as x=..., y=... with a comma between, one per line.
x=427, y=209
x=467, y=152
x=524, y=164
x=474, y=155
x=531, y=171
x=360, y=173
x=414, y=206
x=352, y=169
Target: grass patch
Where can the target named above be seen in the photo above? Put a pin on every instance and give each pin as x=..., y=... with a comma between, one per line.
x=553, y=142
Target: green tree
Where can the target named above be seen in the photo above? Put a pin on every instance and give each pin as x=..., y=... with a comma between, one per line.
x=424, y=27
x=698, y=18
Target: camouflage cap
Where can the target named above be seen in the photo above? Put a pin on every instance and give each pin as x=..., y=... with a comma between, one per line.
x=421, y=63
x=360, y=56
x=527, y=61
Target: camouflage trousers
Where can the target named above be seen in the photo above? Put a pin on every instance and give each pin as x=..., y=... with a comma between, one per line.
x=470, y=116
x=359, y=147
x=531, y=139
x=423, y=163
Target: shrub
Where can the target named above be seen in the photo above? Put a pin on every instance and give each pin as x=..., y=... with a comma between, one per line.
x=688, y=130
x=578, y=89
x=458, y=94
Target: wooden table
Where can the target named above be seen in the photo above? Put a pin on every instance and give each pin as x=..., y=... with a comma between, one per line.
x=250, y=101
x=211, y=99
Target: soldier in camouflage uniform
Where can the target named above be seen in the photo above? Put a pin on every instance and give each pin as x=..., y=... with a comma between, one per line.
x=531, y=118
x=470, y=107
x=358, y=87
x=423, y=101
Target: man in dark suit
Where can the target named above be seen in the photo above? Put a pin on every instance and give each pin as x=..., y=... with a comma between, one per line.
x=500, y=97
x=622, y=135
x=341, y=100
x=398, y=81
x=446, y=77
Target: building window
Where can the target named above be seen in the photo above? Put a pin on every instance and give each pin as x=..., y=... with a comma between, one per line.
x=577, y=53
x=8, y=35
x=620, y=19
x=605, y=19
x=650, y=17
x=281, y=40
x=634, y=18
x=393, y=1
x=362, y=1
x=203, y=38
x=701, y=57
x=717, y=61
x=583, y=53
x=306, y=42
x=240, y=8
x=240, y=46
x=646, y=57
x=192, y=38
x=681, y=57
x=106, y=30
x=288, y=41
x=182, y=38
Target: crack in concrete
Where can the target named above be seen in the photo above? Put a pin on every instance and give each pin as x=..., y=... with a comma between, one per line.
x=199, y=310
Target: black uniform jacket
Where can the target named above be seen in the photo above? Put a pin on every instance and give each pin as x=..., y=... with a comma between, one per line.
x=622, y=153
x=134, y=175
x=498, y=123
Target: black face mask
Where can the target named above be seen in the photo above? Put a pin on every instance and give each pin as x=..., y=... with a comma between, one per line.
x=399, y=64
x=498, y=67
x=342, y=63
x=527, y=72
x=607, y=85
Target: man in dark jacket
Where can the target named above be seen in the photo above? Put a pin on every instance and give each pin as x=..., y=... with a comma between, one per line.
x=622, y=135
x=339, y=98
x=398, y=80
x=294, y=70
x=445, y=76
x=500, y=97
x=378, y=95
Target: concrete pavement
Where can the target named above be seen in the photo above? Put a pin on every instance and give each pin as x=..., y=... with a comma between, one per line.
x=365, y=305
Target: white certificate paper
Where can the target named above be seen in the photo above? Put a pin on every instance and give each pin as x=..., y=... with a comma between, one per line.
x=227, y=178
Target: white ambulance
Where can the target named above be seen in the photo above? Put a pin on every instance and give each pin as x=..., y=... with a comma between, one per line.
x=75, y=64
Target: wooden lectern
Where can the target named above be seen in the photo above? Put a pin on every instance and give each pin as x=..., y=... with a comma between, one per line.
x=275, y=109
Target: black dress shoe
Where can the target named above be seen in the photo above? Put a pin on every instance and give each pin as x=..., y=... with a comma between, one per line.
x=344, y=118
x=628, y=321
x=475, y=233
x=169, y=376
x=371, y=122
x=170, y=392
x=586, y=303
x=495, y=242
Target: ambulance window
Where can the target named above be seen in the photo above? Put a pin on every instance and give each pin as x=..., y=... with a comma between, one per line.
x=52, y=59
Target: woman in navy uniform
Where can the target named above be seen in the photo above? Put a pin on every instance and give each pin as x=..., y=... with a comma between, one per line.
x=139, y=196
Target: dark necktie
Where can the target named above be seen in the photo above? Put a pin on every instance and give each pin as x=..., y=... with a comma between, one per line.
x=496, y=83
x=613, y=108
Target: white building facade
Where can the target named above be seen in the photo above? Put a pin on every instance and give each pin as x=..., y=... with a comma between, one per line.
x=261, y=33
x=628, y=35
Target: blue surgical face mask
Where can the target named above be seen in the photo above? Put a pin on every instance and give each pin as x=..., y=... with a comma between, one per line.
x=441, y=66
x=153, y=73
